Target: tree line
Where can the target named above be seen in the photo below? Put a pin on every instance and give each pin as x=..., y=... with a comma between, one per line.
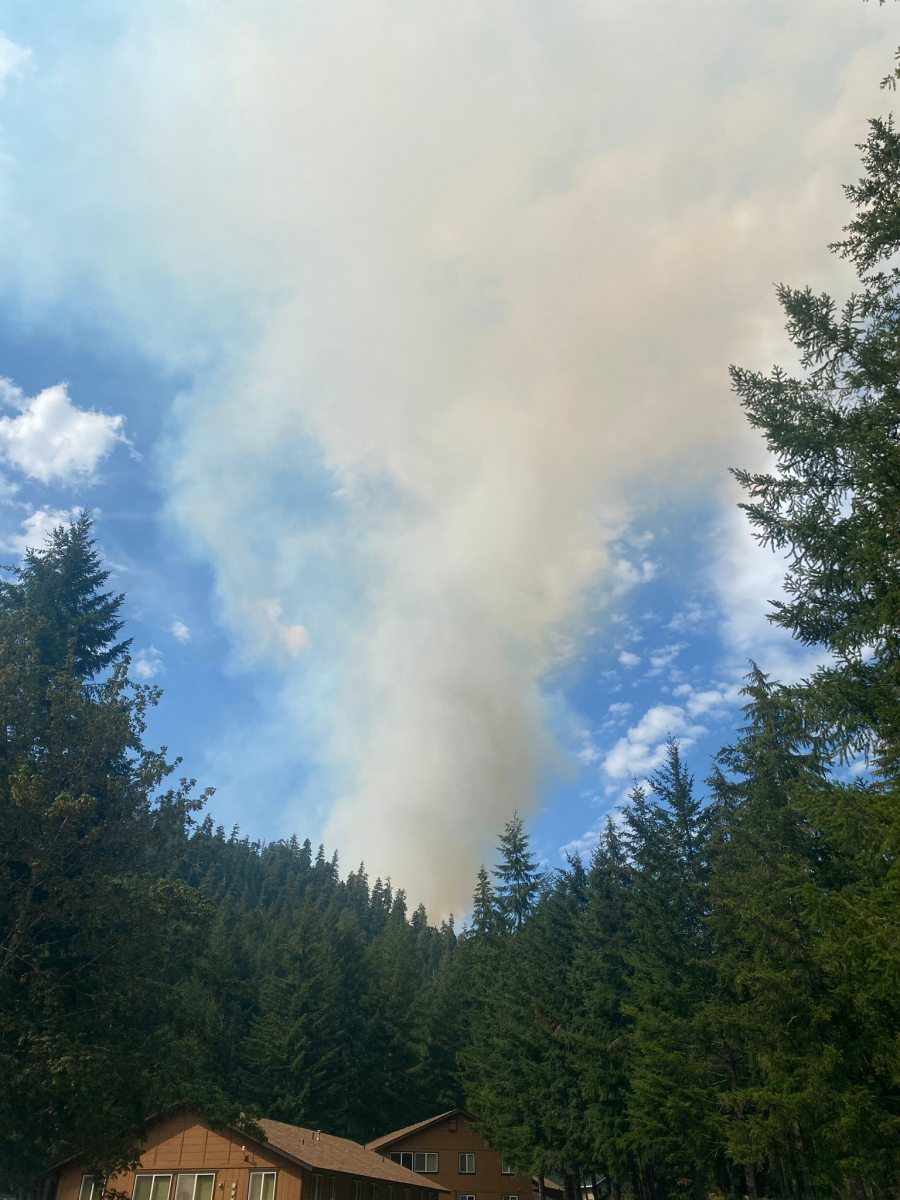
x=711, y=1006
x=708, y=1007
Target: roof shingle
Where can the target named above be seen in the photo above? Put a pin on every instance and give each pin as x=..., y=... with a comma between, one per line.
x=323, y=1152
x=401, y=1133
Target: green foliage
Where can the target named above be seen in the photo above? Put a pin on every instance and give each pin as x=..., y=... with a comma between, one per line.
x=710, y=1009
x=91, y=1025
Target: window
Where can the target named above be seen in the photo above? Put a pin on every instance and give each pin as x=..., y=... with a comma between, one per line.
x=333, y=1187
x=152, y=1187
x=506, y=1169
x=316, y=1188
x=510, y=1198
x=467, y=1164
x=373, y=1191
x=425, y=1162
x=262, y=1185
x=356, y=1189
x=91, y=1189
x=407, y=1194
x=195, y=1187
x=466, y=1197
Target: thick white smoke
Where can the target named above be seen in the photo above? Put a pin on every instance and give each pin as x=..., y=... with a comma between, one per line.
x=458, y=283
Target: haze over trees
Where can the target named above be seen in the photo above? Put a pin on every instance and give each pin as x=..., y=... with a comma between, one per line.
x=709, y=1006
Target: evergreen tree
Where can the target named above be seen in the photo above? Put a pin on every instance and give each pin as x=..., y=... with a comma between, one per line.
x=516, y=873
x=485, y=918
x=89, y=938
x=55, y=603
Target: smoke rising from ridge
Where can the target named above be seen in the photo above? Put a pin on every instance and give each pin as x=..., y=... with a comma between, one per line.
x=456, y=283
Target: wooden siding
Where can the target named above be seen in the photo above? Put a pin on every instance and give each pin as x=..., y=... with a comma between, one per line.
x=488, y=1182
x=184, y=1143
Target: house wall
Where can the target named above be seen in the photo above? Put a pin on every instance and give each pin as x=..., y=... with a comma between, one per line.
x=186, y=1143
x=488, y=1182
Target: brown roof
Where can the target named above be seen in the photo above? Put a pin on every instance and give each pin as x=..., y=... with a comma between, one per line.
x=388, y=1138
x=322, y=1152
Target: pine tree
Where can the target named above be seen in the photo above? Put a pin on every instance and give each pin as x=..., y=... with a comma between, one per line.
x=56, y=596
x=602, y=1030
x=485, y=918
x=516, y=873
x=81, y=808
x=295, y=1066
x=670, y=1102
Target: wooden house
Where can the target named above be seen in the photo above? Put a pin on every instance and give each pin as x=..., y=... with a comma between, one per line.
x=449, y=1150
x=185, y=1159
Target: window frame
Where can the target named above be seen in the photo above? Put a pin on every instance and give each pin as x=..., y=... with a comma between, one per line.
x=151, y=1175
x=356, y=1189
x=426, y=1154
x=316, y=1181
x=262, y=1173
x=95, y=1187
x=510, y=1196
x=505, y=1169
x=197, y=1175
x=471, y=1196
x=467, y=1155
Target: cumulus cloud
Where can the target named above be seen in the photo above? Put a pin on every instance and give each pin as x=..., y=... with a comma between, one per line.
x=53, y=440
x=664, y=657
x=626, y=574
x=180, y=631
x=691, y=618
x=716, y=699
x=627, y=659
x=147, y=664
x=746, y=579
x=33, y=529
x=414, y=257
x=643, y=748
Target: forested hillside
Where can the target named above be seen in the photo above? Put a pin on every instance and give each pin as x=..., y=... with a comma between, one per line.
x=710, y=1006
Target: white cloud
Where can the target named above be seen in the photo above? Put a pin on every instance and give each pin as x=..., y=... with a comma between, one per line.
x=180, y=631
x=51, y=439
x=34, y=529
x=619, y=709
x=747, y=578
x=627, y=659
x=664, y=657
x=583, y=845
x=643, y=748
x=625, y=574
x=12, y=60
x=293, y=638
x=418, y=259
x=147, y=664
x=692, y=618
x=716, y=700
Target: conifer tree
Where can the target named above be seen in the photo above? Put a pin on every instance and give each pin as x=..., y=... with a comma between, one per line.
x=484, y=909
x=81, y=805
x=516, y=873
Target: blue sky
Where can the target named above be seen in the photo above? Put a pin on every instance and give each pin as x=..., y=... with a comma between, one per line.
x=388, y=344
